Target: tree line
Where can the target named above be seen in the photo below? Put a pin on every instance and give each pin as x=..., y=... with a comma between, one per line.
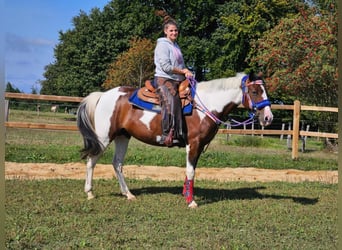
x=293, y=42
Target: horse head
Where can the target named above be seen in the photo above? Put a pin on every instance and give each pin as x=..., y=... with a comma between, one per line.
x=255, y=98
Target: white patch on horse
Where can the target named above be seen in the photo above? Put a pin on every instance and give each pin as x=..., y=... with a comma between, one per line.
x=147, y=118
x=104, y=111
x=190, y=170
x=264, y=95
x=201, y=115
x=229, y=91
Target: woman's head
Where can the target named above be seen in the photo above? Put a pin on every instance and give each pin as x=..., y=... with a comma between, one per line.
x=170, y=28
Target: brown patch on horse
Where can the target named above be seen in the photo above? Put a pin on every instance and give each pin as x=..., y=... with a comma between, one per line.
x=126, y=120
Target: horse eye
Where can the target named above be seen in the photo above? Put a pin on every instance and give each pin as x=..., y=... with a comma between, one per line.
x=254, y=92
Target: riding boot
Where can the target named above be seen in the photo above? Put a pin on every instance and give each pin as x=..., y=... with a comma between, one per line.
x=177, y=118
x=171, y=112
x=165, y=98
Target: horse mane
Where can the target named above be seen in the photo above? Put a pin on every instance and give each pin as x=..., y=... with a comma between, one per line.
x=221, y=83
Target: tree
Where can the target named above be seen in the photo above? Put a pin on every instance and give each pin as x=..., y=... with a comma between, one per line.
x=133, y=66
x=240, y=23
x=11, y=89
x=299, y=58
x=85, y=52
x=215, y=38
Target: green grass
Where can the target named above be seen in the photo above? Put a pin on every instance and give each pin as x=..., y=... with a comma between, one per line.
x=41, y=117
x=54, y=214
x=27, y=145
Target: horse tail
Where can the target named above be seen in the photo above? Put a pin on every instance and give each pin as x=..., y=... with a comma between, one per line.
x=85, y=124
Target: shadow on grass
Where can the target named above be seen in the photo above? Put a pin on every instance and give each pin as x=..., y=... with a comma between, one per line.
x=207, y=196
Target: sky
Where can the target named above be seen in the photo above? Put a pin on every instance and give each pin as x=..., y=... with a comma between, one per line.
x=31, y=33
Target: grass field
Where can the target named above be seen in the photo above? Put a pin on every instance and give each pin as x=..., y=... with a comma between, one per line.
x=54, y=214
x=25, y=145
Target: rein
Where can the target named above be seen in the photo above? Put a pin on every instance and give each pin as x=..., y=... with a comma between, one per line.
x=233, y=123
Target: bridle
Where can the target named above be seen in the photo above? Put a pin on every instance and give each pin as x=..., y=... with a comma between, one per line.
x=253, y=106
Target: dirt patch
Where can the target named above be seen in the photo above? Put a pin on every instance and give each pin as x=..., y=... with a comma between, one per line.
x=38, y=171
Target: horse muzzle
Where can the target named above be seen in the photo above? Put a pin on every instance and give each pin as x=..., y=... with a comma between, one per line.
x=265, y=116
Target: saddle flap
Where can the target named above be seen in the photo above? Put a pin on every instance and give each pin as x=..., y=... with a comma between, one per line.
x=148, y=93
x=149, y=96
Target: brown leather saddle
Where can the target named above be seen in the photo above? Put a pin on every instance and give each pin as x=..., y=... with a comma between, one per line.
x=148, y=93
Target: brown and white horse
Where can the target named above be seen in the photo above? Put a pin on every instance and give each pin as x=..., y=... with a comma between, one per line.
x=104, y=117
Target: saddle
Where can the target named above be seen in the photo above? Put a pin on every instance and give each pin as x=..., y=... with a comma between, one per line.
x=148, y=93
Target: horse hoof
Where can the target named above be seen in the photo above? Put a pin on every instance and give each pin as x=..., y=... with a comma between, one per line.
x=130, y=197
x=193, y=204
x=90, y=196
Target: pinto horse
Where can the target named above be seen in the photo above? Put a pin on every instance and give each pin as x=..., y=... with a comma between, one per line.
x=104, y=117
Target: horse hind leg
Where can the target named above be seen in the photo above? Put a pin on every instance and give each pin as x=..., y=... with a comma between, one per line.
x=121, y=145
x=88, y=187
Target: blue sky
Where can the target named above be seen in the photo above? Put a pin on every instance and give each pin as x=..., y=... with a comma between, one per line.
x=31, y=33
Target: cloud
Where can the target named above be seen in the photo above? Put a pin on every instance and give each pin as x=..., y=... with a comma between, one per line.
x=16, y=43
x=20, y=44
x=25, y=60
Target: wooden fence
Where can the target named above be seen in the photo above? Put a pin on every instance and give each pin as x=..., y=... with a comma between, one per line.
x=295, y=132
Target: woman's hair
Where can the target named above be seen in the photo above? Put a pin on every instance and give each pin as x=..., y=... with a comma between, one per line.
x=169, y=21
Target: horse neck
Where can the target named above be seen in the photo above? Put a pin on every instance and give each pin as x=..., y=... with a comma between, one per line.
x=220, y=95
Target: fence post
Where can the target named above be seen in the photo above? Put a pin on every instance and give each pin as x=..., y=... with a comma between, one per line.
x=228, y=127
x=295, y=135
x=282, y=129
x=6, y=110
x=253, y=128
x=288, y=141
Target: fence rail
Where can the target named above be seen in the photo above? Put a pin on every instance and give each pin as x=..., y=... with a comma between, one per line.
x=295, y=132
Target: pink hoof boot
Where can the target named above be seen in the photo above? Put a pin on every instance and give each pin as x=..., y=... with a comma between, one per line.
x=188, y=190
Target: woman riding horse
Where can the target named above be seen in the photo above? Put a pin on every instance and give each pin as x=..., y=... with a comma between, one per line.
x=169, y=72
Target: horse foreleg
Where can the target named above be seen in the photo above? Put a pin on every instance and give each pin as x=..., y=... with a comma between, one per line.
x=188, y=188
x=89, y=176
x=121, y=144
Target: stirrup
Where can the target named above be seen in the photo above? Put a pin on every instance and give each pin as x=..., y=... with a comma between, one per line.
x=168, y=139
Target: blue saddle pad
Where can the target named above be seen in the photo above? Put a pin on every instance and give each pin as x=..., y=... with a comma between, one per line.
x=135, y=100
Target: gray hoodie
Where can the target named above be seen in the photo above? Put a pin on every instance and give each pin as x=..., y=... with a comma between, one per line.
x=167, y=56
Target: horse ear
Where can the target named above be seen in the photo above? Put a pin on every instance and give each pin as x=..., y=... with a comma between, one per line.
x=255, y=76
x=251, y=75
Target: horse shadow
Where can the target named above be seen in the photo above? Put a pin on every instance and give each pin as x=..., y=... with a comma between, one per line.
x=207, y=196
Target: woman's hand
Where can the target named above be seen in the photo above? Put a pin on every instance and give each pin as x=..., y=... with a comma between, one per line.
x=187, y=72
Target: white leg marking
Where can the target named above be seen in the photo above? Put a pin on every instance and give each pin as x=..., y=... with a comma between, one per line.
x=190, y=171
x=121, y=144
x=91, y=162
